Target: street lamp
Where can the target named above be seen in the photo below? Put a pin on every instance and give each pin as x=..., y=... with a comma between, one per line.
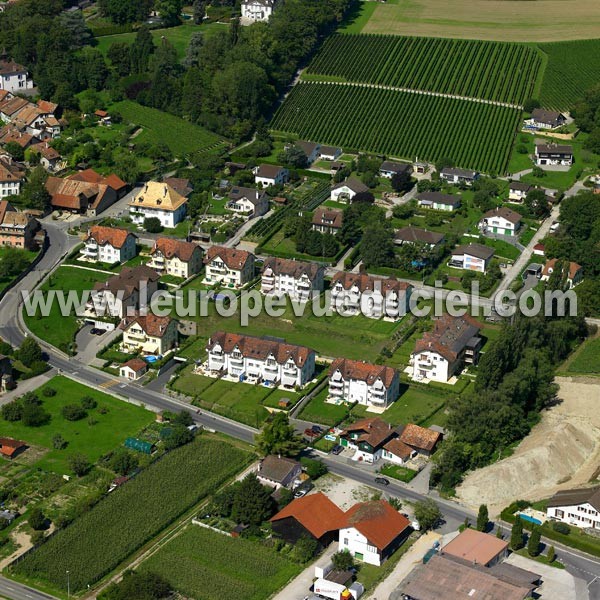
x=68, y=585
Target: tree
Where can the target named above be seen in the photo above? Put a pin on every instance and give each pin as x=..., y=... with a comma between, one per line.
x=482, y=518
x=305, y=548
x=34, y=415
x=177, y=435
x=252, y=503
x=377, y=247
x=153, y=225
x=443, y=163
x=551, y=555
x=533, y=544
x=402, y=182
x=516, y=535
x=343, y=560
x=123, y=461
x=499, y=534
x=141, y=50
x=34, y=193
x=79, y=464
x=314, y=468
x=530, y=105
x=169, y=11
x=199, y=7
x=59, y=442
x=137, y=585
x=15, y=150
x=12, y=411
x=119, y=55
x=37, y=519
x=537, y=203
x=294, y=157
x=73, y=412
x=427, y=513
x=13, y=261
x=279, y=437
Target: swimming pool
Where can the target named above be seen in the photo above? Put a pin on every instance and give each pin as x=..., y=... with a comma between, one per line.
x=530, y=519
x=152, y=359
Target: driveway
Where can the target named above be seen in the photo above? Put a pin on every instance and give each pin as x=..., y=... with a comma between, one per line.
x=89, y=344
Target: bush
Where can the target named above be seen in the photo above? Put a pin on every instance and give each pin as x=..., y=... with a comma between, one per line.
x=88, y=403
x=153, y=225
x=561, y=527
x=49, y=392
x=79, y=464
x=37, y=537
x=34, y=415
x=314, y=468
x=73, y=412
x=37, y=519
x=13, y=411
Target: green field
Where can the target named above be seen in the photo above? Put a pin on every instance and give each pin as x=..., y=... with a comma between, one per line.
x=505, y=72
x=5, y=280
x=206, y=565
x=182, y=137
x=99, y=540
x=109, y=431
x=572, y=69
x=586, y=361
x=401, y=124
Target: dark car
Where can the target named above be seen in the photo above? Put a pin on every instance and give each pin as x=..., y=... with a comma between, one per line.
x=100, y=331
x=382, y=481
x=337, y=449
x=317, y=429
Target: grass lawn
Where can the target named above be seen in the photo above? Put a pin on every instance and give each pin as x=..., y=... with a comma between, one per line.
x=57, y=329
x=370, y=575
x=355, y=22
x=586, y=360
x=319, y=411
x=279, y=244
x=398, y=472
x=217, y=207
x=181, y=136
x=200, y=563
x=503, y=249
x=5, y=280
x=121, y=421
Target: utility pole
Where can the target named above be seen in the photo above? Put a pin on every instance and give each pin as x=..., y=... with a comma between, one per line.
x=68, y=585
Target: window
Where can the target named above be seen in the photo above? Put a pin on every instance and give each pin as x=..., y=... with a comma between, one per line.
x=345, y=541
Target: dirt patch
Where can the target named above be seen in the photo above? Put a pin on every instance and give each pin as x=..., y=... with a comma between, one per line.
x=562, y=451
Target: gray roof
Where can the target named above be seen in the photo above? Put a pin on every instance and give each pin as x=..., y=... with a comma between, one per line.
x=550, y=117
x=575, y=497
x=307, y=147
x=395, y=167
x=330, y=149
x=505, y=213
x=277, y=469
x=354, y=184
x=416, y=234
x=439, y=198
x=553, y=149
x=254, y=196
x=477, y=250
x=518, y=185
x=467, y=173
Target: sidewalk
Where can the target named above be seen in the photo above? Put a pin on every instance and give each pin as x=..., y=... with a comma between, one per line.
x=28, y=385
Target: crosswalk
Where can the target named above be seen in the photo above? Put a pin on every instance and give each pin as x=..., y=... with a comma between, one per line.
x=110, y=383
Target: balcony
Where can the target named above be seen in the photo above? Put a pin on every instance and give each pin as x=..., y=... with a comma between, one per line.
x=336, y=384
x=157, y=266
x=218, y=270
x=139, y=337
x=336, y=392
x=91, y=251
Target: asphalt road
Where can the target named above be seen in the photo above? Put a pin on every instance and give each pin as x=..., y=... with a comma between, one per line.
x=16, y=591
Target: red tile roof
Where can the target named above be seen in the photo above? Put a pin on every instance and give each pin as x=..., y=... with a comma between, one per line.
x=475, y=547
x=374, y=431
x=368, y=283
x=169, y=248
x=234, y=259
x=420, y=437
x=398, y=448
x=153, y=325
x=136, y=364
x=8, y=446
x=551, y=264
x=363, y=371
x=114, y=236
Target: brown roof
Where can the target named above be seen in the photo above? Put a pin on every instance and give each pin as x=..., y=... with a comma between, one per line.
x=9, y=133
x=47, y=107
x=48, y=152
x=420, y=437
x=294, y=268
x=550, y=117
x=8, y=446
x=180, y=185
x=128, y=280
x=368, y=282
x=114, y=236
x=5, y=206
x=520, y=186
x=169, y=248
x=27, y=116
x=374, y=431
x=16, y=219
x=378, y=521
x=332, y=217
x=475, y=546
x=315, y=512
x=10, y=106
x=398, y=448
x=395, y=167
x=234, y=259
x=416, y=234
x=277, y=468
x=307, y=147
x=450, y=336
x=440, y=198
x=252, y=195
x=477, y=250
x=268, y=171
x=363, y=371
x=575, y=497
x=10, y=66
x=505, y=213
x=551, y=265
x=136, y=364
x=91, y=176
x=101, y=113
x=152, y=325
x=9, y=172
x=4, y=94
x=115, y=182
x=255, y=347
x=354, y=184
x=69, y=193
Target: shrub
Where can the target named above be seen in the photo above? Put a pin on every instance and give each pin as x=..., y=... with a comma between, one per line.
x=37, y=519
x=49, y=392
x=561, y=527
x=73, y=412
x=88, y=402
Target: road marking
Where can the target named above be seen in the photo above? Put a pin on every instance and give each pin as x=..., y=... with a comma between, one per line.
x=110, y=383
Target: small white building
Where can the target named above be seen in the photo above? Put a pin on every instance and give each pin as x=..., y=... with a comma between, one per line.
x=472, y=257
x=553, y=154
x=580, y=507
x=176, y=257
x=330, y=153
x=501, y=221
x=545, y=119
x=456, y=176
x=345, y=191
x=160, y=200
x=517, y=191
x=254, y=11
x=149, y=333
x=228, y=266
x=365, y=383
x=14, y=77
x=267, y=175
x=108, y=245
x=294, y=278
x=248, y=202
x=255, y=359
x=438, y=201
x=11, y=178
x=133, y=369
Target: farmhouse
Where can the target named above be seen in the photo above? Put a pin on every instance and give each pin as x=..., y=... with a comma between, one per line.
x=416, y=235
x=389, y=168
x=10, y=448
x=473, y=257
x=345, y=191
x=175, y=257
x=327, y=220
x=579, y=507
x=267, y=175
x=295, y=278
x=254, y=11
x=500, y=220
x=108, y=245
x=14, y=77
x=260, y=359
x=420, y=439
x=50, y=159
x=158, y=200
x=438, y=201
x=553, y=154
x=545, y=119
x=373, y=531
x=149, y=333
x=11, y=178
x=518, y=191
x=248, y=202
x=330, y=153
x=278, y=471
x=17, y=229
x=133, y=369
x=572, y=276
x=442, y=352
x=233, y=268
x=314, y=516
x=477, y=547
x=456, y=176
x=365, y=383
x=353, y=293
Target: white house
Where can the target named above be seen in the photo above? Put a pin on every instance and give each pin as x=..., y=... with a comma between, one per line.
x=257, y=359
x=346, y=190
x=149, y=333
x=108, y=245
x=327, y=220
x=438, y=201
x=294, y=278
x=368, y=384
x=545, y=119
x=330, y=153
x=457, y=176
x=267, y=175
x=580, y=507
x=373, y=531
x=517, y=191
x=248, y=201
x=158, y=200
x=258, y=10
x=553, y=154
x=500, y=220
x=133, y=369
x=573, y=276
x=441, y=353
x=14, y=77
x=176, y=257
x=359, y=293
x=474, y=257
x=311, y=150
x=11, y=178
x=228, y=266
x=389, y=168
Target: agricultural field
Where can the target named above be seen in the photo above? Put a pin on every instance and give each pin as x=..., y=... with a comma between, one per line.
x=401, y=124
x=504, y=73
x=539, y=21
x=586, y=360
x=204, y=564
x=99, y=540
x=572, y=69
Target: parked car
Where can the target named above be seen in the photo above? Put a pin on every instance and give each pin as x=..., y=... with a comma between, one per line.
x=310, y=433
x=317, y=429
x=337, y=449
x=382, y=481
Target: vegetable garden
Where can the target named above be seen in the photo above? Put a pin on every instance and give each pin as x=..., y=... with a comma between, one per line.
x=401, y=124
x=503, y=72
x=97, y=542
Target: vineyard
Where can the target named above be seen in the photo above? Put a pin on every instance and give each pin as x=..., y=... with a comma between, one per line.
x=130, y=516
x=401, y=124
x=573, y=68
x=203, y=564
x=495, y=71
